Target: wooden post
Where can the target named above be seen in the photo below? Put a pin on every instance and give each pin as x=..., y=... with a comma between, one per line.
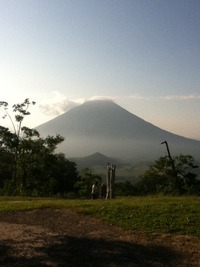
x=110, y=180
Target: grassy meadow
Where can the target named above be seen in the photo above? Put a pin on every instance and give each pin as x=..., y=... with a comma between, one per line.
x=149, y=215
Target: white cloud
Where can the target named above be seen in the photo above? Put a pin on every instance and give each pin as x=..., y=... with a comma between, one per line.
x=100, y=98
x=181, y=97
x=57, y=104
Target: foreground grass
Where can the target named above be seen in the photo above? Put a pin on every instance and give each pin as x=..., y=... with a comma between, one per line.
x=151, y=215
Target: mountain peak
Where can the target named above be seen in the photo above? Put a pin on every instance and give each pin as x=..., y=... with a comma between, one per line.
x=104, y=126
x=103, y=104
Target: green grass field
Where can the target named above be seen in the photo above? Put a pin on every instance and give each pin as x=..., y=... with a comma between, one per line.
x=150, y=215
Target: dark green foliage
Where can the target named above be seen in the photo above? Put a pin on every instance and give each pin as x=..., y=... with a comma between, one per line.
x=84, y=184
x=170, y=176
x=125, y=188
x=28, y=164
x=65, y=174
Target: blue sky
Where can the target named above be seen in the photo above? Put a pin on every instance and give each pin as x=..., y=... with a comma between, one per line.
x=143, y=54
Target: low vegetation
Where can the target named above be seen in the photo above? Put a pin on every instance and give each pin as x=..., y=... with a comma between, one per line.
x=149, y=215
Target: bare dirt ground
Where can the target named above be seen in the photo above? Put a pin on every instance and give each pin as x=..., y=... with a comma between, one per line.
x=59, y=238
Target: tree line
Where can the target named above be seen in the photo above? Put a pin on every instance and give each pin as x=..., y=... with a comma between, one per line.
x=29, y=166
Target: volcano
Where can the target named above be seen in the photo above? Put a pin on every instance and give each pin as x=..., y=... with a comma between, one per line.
x=105, y=127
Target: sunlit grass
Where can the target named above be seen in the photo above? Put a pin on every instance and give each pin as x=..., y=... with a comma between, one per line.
x=151, y=215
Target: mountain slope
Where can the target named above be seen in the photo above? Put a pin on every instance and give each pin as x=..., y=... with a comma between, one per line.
x=108, y=128
x=100, y=118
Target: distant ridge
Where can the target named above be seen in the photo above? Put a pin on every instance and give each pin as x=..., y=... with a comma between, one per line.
x=94, y=160
x=106, y=127
x=97, y=158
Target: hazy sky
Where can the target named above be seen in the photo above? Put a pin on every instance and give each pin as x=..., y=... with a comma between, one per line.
x=143, y=54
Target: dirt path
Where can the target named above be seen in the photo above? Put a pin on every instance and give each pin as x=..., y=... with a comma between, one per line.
x=60, y=238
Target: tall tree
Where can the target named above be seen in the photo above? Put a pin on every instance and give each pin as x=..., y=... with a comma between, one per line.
x=10, y=140
x=29, y=164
